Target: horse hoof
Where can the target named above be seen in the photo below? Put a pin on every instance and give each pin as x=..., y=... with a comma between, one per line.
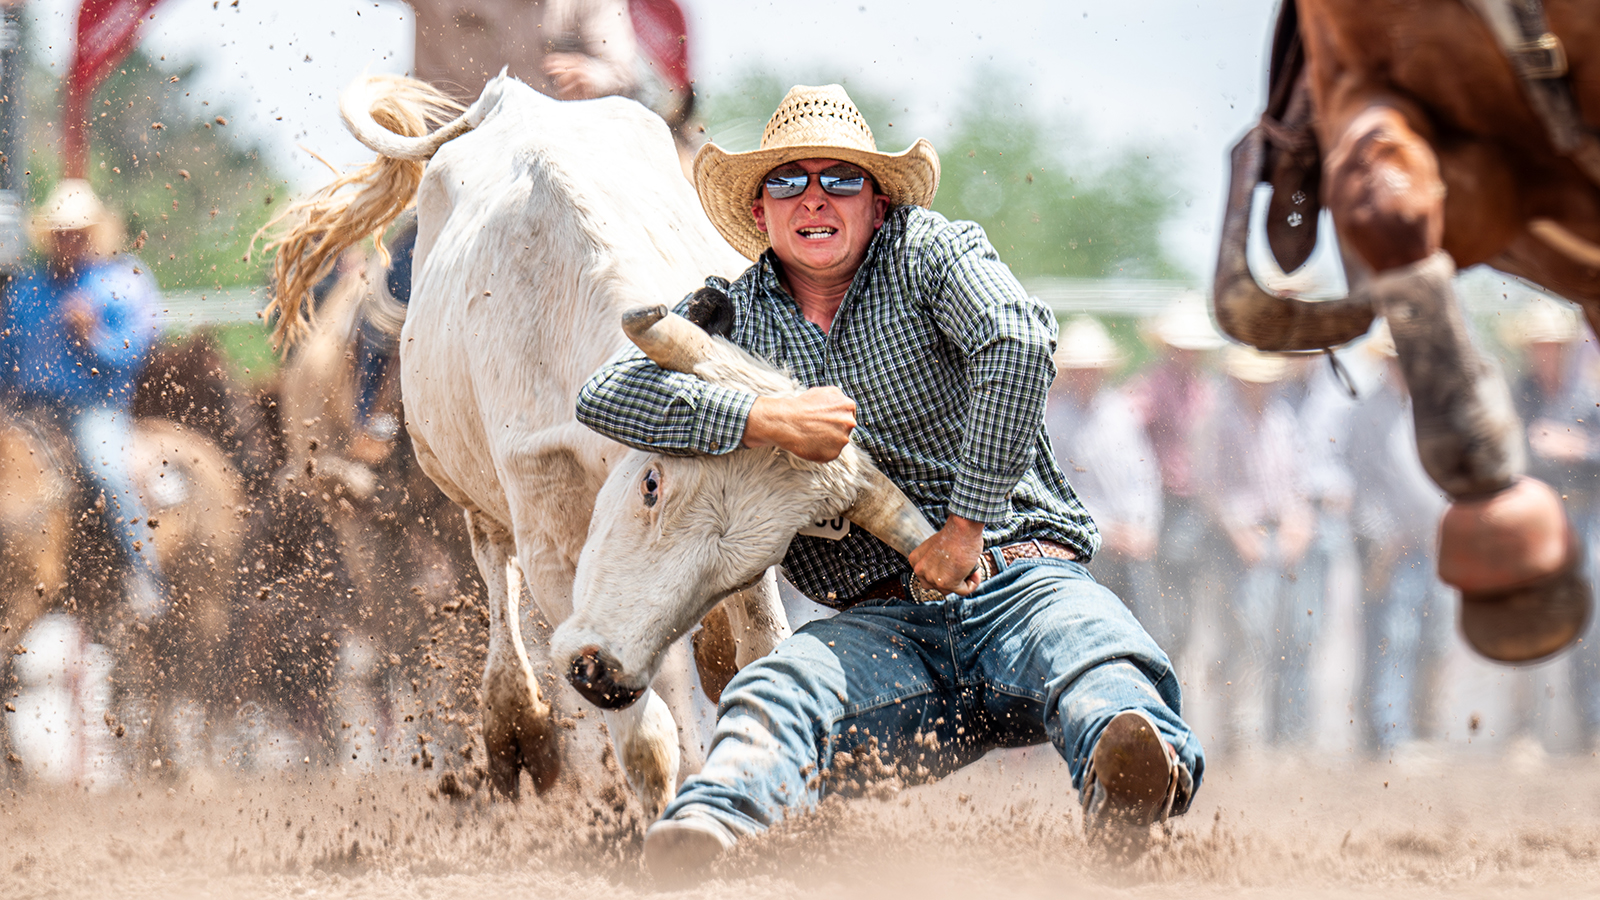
x=1506, y=541
x=1530, y=622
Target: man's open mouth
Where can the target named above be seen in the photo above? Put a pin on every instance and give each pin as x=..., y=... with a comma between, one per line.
x=817, y=232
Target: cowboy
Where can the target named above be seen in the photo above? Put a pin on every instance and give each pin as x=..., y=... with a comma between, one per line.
x=920, y=346
x=78, y=331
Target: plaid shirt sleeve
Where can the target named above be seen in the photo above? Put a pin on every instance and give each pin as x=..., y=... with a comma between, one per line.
x=1008, y=339
x=633, y=401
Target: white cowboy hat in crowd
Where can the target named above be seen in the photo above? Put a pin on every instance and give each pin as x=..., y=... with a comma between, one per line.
x=1185, y=325
x=1542, y=321
x=73, y=206
x=1085, y=344
x=1250, y=364
x=811, y=123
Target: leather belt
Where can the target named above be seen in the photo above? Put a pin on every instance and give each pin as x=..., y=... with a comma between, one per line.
x=894, y=587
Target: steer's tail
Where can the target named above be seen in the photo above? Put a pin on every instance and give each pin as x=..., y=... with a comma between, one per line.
x=392, y=116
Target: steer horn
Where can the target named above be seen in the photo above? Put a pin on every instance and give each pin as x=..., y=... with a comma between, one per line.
x=671, y=341
x=885, y=511
x=1245, y=311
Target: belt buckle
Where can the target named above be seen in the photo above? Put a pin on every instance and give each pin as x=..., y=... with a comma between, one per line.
x=921, y=593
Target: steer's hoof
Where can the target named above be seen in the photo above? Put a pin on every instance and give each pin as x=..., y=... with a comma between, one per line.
x=518, y=731
x=1518, y=565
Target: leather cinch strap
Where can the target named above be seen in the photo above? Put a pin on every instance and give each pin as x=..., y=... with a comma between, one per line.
x=1540, y=61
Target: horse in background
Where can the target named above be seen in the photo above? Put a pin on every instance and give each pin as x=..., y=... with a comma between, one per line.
x=58, y=556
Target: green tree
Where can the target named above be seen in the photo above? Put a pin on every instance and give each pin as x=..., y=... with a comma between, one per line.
x=169, y=164
x=1050, y=207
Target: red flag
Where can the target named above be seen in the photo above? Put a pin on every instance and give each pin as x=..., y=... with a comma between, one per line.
x=107, y=32
x=664, y=38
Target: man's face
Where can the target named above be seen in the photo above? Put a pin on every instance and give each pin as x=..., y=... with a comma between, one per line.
x=66, y=247
x=817, y=234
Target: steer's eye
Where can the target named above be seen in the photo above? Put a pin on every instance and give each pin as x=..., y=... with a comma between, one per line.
x=650, y=488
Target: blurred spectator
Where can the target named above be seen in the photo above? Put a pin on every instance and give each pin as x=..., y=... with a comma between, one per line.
x=1323, y=406
x=1246, y=458
x=1171, y=401
x=1101, y=445
x=568, y=49
x=1558, y=399
x=79, y=330
x=1406, y=609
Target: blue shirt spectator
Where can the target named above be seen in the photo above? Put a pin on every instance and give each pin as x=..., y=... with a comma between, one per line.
x=47, y=359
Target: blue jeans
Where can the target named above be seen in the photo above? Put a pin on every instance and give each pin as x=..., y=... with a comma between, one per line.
x=1270, y=618
x=1039, y=652
x=1585, y=671
x=1407, y=627
x=1186, y=571
x=103, y=437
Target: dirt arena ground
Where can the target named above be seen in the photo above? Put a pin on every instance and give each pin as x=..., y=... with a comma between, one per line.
x=1441, y=826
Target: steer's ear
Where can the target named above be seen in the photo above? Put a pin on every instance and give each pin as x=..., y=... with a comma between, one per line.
x=711, y=310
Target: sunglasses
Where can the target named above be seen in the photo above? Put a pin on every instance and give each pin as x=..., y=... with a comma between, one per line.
x=793, y=184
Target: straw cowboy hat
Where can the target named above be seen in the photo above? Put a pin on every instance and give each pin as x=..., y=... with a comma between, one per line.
x=1085, y=344
x=811, y=123
x=1185, y=325
x=1250, y=364
x=73, y=206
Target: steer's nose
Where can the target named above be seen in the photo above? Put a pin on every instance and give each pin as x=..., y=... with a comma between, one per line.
x=594, y=678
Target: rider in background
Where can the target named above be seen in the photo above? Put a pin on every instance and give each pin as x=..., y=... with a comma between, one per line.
x=568, y=49
x=79, y=331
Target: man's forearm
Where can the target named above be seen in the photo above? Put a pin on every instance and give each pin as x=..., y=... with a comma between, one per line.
x=634, y=402
x=1007, y=404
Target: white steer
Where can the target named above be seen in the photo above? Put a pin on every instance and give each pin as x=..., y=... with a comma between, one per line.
x=673, y=535
x=540, y=224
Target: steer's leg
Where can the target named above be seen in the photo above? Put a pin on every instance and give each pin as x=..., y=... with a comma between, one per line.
x=517, y=728
x=757, y=619
x=645, y=737
x=744, y=627
x=1505, y=541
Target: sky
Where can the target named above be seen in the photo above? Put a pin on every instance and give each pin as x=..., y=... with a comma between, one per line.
x=1177, y=80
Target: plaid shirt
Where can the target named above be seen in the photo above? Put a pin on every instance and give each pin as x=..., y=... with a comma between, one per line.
x=948, y=361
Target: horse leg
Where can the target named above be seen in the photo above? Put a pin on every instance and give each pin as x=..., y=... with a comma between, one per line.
x=517, y=729
x=1505, y=541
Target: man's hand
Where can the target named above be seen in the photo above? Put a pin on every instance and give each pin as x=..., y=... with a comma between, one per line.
x=948, y=560
x=815, y=425
x=574, y=74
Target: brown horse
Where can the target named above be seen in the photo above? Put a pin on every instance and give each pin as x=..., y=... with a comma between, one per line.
x=1438, y=133
x=192, y=495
